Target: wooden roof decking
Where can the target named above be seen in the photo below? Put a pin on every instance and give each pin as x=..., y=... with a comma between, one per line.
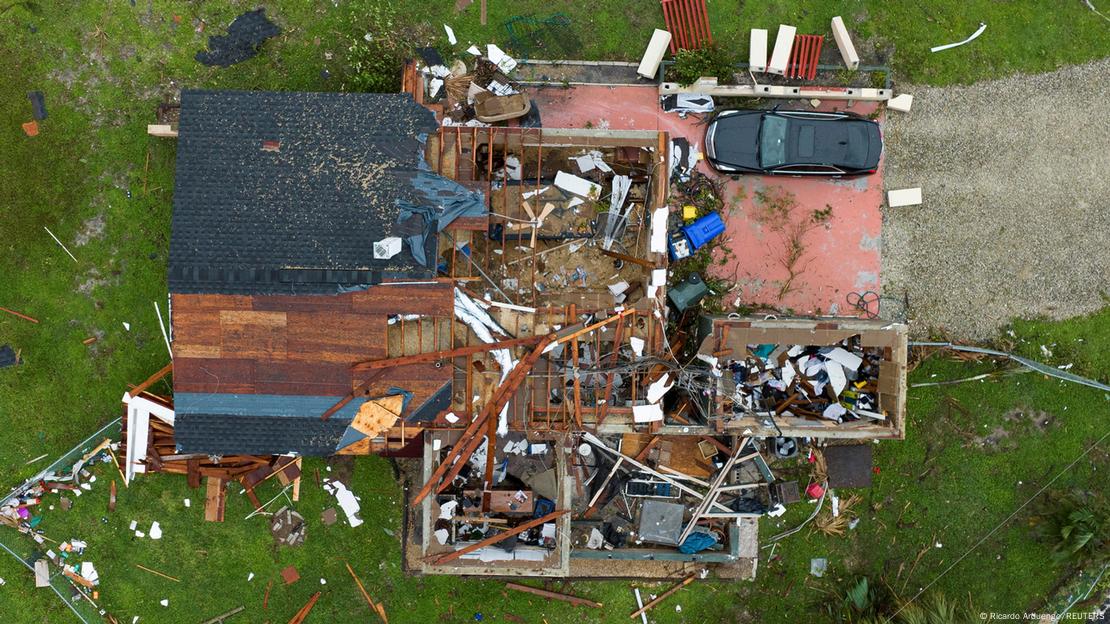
x=302, y=344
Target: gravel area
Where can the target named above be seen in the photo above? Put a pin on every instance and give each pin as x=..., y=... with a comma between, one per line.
x=1015, y=177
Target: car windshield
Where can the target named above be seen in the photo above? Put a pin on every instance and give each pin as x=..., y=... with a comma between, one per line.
x=772, y=141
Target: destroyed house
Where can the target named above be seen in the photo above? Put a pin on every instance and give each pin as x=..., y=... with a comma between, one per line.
x=304, y=226
x=348, y=276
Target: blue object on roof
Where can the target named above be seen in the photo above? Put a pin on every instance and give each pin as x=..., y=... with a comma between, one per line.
x=697, y=542
x=704, y=229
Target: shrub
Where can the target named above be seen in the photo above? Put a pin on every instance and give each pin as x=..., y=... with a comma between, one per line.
x=375, y=58
x=711, y=60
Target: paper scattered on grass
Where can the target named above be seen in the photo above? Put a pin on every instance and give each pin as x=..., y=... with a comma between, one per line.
x=155, y=531
x=450, y=34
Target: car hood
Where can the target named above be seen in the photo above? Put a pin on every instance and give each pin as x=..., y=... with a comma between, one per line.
x=735, y=140
x=848, y=144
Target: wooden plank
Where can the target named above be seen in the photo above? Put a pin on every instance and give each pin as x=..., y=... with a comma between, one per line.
x=376, y=607
x=469, y=440
x=153, y=379
x=362, y=388
x=214, y=500
x=22, y=316
x=574, y=600
x=303, y=613
x=661, y=597
x=223, y=616
x=493, y=539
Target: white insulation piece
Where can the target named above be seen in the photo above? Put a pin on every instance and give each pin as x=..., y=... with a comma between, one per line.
x=482, y=324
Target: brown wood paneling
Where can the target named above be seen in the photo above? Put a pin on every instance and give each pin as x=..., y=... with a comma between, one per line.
x=302, y=378
x=213, y=375
x=334, y=337
x=429, y=299
x=250, y=334
x=299, y=345
x=211, y=302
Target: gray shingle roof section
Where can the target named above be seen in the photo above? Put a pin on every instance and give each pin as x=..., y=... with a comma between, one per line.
x=219, y=434
x=302, y=218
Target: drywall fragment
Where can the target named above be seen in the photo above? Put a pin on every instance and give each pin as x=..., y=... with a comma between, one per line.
x=659, y=388
x=576, y=185
x=653, y=55
x=902, y=102
x=845, y=358
x=647, y=413
x=346, y=499
x=784, y=43
x=757, y=56
x=844, y=43
x=903, y=197
x=659, y=229
x=637, y=345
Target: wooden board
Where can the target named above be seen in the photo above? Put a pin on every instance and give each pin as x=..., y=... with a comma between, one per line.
x=685, y=456
x=214, y=499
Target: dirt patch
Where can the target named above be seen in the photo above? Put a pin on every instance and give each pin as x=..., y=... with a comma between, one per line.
x=999, y=439
x=1040, y=420
x=342, y=468
x=91, y=283
x=92, y=229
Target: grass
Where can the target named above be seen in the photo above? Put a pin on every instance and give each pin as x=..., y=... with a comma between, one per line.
x=104, y=65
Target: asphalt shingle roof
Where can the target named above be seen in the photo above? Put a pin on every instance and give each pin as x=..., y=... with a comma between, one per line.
x=301, y=218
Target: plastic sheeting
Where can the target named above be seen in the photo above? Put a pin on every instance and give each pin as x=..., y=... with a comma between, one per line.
x=445, y=201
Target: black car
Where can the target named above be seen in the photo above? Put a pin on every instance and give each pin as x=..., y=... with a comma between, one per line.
x=793, y=143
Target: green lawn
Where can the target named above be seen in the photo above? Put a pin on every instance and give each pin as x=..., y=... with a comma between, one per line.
x=93, y=175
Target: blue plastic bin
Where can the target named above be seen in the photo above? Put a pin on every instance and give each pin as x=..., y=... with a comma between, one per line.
x=704, y=229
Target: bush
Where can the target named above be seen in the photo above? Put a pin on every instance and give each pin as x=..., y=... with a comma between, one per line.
x=711, y=61
x=1077, y=524
x=375, y=58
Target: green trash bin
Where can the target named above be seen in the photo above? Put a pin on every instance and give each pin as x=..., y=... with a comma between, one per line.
x=688, y=293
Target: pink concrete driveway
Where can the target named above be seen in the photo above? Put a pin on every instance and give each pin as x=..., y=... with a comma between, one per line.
x=839, y=256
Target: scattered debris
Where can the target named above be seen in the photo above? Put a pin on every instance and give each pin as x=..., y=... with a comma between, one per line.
x=9, y=357
x=947, y=46
x=38, y=104
x=667, y=594
x=59, y=243
x=288, y=527
x=347, y=500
